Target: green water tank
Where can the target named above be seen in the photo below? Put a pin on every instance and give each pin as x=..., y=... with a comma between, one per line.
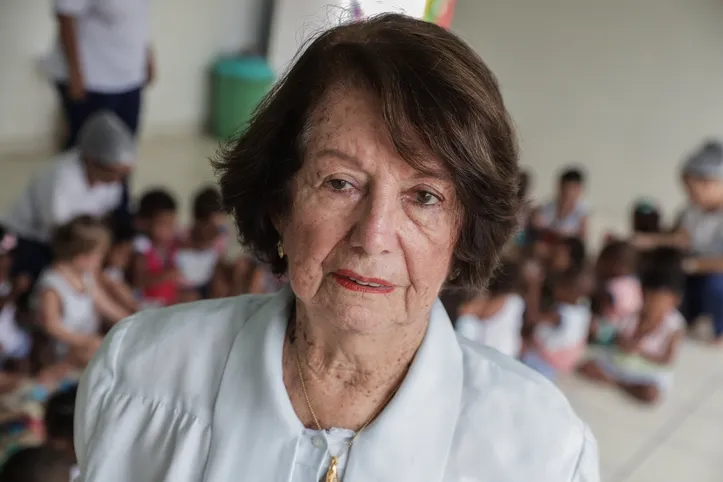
x=239, y=84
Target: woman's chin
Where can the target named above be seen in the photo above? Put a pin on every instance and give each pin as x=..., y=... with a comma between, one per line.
x=360, y=312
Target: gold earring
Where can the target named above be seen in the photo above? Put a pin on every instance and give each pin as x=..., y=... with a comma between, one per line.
x=280, y=249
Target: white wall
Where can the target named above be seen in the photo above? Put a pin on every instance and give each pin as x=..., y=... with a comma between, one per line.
x=625, y=88
x=187, y=35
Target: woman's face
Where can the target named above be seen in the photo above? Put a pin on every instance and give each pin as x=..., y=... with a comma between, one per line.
x=369, y=239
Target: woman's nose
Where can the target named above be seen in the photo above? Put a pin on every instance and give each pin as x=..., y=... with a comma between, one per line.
x=376, y=228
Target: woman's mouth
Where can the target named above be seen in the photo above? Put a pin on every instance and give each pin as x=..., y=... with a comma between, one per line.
x=355, y=282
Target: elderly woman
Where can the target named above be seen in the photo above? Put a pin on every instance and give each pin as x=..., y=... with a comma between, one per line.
x=83, y=181
x=382, y=167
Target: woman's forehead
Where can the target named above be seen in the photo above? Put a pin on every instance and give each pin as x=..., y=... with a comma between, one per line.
x=348, y=126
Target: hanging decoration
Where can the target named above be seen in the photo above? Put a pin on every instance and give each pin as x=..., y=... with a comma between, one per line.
x=440, y=12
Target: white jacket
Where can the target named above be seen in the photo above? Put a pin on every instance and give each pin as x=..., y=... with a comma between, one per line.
x=195, y=393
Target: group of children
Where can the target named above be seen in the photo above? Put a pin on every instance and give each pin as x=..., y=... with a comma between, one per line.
x=619, y=319
x=50, y=327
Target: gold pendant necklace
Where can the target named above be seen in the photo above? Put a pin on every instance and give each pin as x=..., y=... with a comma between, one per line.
x=332, y=473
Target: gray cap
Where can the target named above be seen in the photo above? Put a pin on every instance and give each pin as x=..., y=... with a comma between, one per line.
x=706, y=162
x=105, y=139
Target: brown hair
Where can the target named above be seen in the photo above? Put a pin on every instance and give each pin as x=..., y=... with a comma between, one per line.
x=80, y=236
x=435, y=96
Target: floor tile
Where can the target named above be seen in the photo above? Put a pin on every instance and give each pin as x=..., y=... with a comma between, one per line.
x=671, y=464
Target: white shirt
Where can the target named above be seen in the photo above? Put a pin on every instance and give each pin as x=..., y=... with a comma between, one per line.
x=501, y=331
x=56, y=195
x=195, y=392
x=572, y=331
x=197, y=265
x=705, y=229
x=78, y=310
x=113, y=38
x=571, y=225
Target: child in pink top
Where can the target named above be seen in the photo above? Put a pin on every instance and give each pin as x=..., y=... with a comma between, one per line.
x=616, y=272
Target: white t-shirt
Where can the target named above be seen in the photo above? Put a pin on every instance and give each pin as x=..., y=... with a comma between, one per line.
x=14, y=342
x=571, y=225
x=58, y=194
x=705, y=229
x=113, y=40
x=501, y=331
x=78, y=307
x=573, y=328
x=197, y=265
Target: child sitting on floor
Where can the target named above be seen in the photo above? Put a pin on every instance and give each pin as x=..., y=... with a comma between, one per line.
x=69, y=303
x=14, y=342
x=495, y=318
x=560, y=335
x=647, y=343
x=59, y=418
x=566, y=254
x=616, y=272
x=153, y=271
x=566, y=215
x=117, y=262
x=205, y=243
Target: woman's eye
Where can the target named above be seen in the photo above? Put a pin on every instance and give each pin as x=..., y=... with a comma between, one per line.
x=426, y=198
x=338, y=184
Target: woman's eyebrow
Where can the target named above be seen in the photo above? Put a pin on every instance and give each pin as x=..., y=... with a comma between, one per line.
x=426, y=170
x=338, y=154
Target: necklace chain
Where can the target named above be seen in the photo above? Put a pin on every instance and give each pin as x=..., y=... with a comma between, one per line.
x=316, y=419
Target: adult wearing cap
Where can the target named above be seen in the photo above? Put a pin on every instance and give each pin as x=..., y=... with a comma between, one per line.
x=699, y=232
x=82, y=181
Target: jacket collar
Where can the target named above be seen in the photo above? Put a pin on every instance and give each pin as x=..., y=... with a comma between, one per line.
x=410, y=439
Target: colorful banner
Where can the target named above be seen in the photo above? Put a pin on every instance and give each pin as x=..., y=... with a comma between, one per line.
x=435, y=11
x=440, y=12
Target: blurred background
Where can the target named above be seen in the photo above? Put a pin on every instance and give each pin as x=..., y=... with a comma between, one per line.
x=623, y=90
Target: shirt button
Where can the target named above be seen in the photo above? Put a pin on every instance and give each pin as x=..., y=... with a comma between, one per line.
x=318, y=441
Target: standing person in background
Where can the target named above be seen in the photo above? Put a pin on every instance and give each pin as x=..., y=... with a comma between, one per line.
x=566, y=215
x=102, y=60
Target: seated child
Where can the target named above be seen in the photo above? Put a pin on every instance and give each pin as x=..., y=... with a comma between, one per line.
x=560, y=335
x=153, y=271
x=495, y=318
x=38, y=464
x=117, y=262
x=14, y=342
x=68, y=301
x=616, y=272
x=700, y=234
x=646, y=217
x=566, y=254
x=567, y=215
x=205, y=243
x=647, y=343
x=521, y=238
x=59, y=417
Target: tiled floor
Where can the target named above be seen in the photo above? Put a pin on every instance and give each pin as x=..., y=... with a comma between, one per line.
x=680, y=440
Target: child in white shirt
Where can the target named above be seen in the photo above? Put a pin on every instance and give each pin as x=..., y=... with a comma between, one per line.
x=495, y=318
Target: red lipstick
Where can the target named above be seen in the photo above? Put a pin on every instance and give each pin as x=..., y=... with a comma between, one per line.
x=356, y=282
